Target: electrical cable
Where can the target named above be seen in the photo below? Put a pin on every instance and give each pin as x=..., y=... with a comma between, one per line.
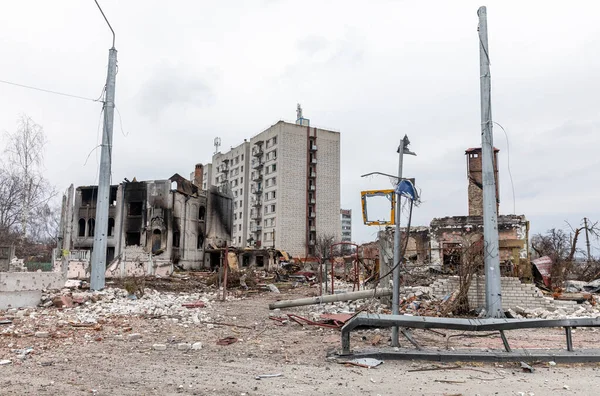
x=49, y=91
x=508, y=164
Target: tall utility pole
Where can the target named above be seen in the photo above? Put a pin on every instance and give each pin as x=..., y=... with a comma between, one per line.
x=493, y=291
x=102, y=203
x=587, y=240
x=402, y=149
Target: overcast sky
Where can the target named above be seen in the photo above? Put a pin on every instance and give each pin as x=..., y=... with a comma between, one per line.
x=193, y=70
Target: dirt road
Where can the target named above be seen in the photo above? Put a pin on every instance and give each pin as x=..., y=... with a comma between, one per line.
x=105, y=359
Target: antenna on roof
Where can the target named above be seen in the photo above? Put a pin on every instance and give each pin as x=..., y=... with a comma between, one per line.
x=217, y=144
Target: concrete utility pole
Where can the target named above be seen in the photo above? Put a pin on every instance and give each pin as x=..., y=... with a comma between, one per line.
x=102, y=203
x=587, y=240
x=493, y=292
x=398, y=254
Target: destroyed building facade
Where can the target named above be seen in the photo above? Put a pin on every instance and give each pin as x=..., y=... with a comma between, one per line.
x=157, y=223
x=440, y=245
x=285, y=183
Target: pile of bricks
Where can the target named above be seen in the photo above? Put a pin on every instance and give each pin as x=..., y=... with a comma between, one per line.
x=514, y=294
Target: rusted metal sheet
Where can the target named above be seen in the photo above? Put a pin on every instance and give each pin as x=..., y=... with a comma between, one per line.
x=544, y=266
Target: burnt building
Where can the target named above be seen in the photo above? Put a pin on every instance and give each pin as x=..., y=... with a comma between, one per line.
x=166, y=222
x=442, y=245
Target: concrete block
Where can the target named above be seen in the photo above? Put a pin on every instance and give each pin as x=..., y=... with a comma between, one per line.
x=197, y=346
x=42, y=334
x=183, y=346
x=19, y=299
x=159, y=347
x=134, y=336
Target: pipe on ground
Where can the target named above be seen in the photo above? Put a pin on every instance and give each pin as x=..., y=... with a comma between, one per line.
x=331, y=298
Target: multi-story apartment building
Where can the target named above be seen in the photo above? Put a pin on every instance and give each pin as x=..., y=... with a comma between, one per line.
x=286, y=187
x=346, y=218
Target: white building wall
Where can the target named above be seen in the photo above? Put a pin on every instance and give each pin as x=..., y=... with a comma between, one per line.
x=289, y=182
x=236, y=179
x=328, y=184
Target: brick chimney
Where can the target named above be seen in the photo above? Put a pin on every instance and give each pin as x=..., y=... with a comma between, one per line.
x=198, y=171
x=474, y=176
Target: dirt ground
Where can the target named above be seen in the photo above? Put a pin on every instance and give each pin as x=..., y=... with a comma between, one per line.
x=102, y=361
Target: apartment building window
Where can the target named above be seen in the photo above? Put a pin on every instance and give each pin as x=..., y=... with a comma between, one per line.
x=239, y=240
x=240, y=228
x=242, y=160
x=273, y=167
x=240, y=215
x=274, y=180
x=274, y=141
x=273, y=208
x=235, y=216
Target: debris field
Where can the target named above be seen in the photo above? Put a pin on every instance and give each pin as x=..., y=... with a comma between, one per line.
x=112, y=342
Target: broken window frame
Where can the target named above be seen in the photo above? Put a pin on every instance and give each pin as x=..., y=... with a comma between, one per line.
x=390, y=193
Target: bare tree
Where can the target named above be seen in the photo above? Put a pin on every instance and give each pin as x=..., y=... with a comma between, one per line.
x=562, y=249
x=323, y=246
x=470, y=251
x=23, y=179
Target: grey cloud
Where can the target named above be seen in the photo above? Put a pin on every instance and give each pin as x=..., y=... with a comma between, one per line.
x=173, y=87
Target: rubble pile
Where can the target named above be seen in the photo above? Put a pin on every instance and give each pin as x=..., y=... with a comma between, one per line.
x=89, y=307
x=560, y=310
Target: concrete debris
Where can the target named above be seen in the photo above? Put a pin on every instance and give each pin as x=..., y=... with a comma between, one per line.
x=527, y=368
x=273, y=288
x=159, y=347
x=268, y=376
x=183, y=346
x=42, y=334
x=5, y=362
x=364, y=362
x=196, y=346
x=88, y=307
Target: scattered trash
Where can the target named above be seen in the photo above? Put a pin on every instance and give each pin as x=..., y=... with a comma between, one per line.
x=526, y=368
x=449, y=381
x=363, y=362
x=5, y=321
x=227, y=341
x=5, y=362
x=552, y=363
x=273, y=288
x=268, y=376
x=194, y=304
x=566, y=387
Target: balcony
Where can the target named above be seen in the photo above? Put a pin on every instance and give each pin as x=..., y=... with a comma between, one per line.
x=311, y=242
x=312, y=201
x=257, y=191
x=313, y=161
x=312, y=187
x=313, y=147
x=256, y=217
x=257, y=202
x=313, y=228
x=312, y=175
x=312, y=215
x=257, y=164
x=257, y=177
x=256, y=228
x=258, y=151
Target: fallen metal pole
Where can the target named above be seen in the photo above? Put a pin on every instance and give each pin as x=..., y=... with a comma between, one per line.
x=331, y=298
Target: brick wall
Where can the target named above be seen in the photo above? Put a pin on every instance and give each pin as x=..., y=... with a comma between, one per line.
x=514, y=294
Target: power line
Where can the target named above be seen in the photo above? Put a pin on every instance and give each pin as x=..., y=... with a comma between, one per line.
x=50, y=91
x=509, y=171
